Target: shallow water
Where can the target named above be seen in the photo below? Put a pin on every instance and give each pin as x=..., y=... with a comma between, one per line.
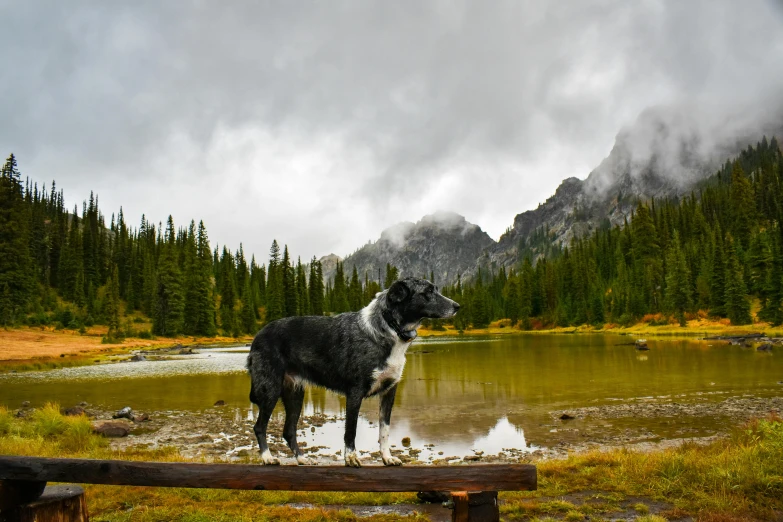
x=459, y=394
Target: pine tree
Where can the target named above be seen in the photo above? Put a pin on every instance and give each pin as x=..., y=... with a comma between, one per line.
x=112, y=308
x=274, y=287
x=742, y=205
x=678, y=292
x=355, y=291
x=303, y=297
x=169, y=304
x=228, y=294
x=718, y=279
x=392, y=274
x=737, y=305
x=248, y=318
x=289, y=285
x=339, y=291
x=16, y=276
x=316, y=288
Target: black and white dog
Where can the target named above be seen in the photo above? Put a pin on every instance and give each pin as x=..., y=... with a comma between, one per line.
x=357, y=354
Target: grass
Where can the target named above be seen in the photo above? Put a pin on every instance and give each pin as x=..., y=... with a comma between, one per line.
x=652, y=324
x=732, y=480
x=736, y=479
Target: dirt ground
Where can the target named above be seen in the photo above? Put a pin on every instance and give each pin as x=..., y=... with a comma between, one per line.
x=25, y=344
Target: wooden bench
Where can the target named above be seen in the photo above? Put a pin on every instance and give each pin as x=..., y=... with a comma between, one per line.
x=473, y=488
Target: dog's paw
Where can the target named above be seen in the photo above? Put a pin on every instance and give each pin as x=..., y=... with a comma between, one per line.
x=269, y=460
x=391, y=461
x=352, y=459
x=304, y=461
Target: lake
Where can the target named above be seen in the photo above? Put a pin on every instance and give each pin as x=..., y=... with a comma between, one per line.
x=483, y=393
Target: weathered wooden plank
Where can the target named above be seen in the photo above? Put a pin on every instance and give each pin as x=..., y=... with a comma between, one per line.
x=15, y=492
x=57, y=504
x=488, y=477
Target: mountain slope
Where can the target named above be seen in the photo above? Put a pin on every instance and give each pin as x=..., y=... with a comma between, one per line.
x=444, y=244
x=663, y=155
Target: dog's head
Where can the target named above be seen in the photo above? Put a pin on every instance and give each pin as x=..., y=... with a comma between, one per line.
x=411, y=300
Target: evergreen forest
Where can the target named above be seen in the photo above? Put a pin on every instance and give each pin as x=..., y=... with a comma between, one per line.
x=715, y=252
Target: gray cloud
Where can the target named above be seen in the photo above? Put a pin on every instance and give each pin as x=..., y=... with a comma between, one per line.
x=322, y=123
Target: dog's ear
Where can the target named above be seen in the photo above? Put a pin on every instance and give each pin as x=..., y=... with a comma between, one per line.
x=398, y=292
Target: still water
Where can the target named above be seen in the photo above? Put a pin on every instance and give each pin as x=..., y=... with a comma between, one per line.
x=485, y=393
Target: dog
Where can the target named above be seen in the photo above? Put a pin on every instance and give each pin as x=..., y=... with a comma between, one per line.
x=357, y=354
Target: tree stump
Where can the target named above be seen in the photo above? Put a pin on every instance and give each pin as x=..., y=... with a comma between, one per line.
x=56, y=504
x=475, y=506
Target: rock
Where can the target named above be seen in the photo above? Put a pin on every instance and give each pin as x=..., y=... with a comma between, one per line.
x=26, y=404
x=471, y=458
x=186, y=351
x=24, y=413
x=566, y=416
x=125, y=413
x=641, y=344
x=137, y=358
x=111, y=428
x=83, y=404
x=141, y=417
x=221, y=402
x=764, y=347
x=74, y=411
x=406, y=441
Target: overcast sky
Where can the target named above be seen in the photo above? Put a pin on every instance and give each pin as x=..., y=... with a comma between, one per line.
x=322, y=123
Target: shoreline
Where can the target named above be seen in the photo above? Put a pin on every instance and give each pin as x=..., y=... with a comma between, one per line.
x=220, y=433
x=36, y=348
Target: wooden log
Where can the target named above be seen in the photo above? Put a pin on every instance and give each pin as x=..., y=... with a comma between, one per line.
x=57, y=504
x=16, y=492
x=481, y=477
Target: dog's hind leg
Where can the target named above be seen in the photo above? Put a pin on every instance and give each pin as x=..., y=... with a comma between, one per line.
x=387, y=402
x=293, y=400
x=265, y=395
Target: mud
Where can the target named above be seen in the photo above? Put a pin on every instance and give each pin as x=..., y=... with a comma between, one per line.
x=226, y=434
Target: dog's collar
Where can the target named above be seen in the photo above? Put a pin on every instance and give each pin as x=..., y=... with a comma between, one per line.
x=404, y=335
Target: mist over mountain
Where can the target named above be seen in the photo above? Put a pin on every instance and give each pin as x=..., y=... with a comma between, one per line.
x=444, y=244
x=663, y=154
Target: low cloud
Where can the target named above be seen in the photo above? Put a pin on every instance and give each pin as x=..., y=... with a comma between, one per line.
x=322, y=124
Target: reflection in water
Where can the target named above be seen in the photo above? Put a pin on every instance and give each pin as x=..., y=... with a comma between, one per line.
x=457, y=393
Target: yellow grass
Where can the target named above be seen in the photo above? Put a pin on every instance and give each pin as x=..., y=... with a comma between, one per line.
x=696, y=326
x=731, y=480
x=24, y=344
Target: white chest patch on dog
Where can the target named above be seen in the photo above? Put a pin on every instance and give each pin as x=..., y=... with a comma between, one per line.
x=393, y=368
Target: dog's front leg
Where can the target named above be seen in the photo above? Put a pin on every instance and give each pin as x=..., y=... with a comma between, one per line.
x=353, y=403
x=387, y=402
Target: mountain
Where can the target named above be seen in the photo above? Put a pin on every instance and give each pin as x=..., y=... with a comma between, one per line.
x=443, y=243
x=664, y=154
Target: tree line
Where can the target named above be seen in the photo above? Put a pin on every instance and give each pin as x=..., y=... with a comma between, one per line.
x=716, y=251
x=68, y=268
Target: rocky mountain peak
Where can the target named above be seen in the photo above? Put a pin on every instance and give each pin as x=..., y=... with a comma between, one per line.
x=443, y=243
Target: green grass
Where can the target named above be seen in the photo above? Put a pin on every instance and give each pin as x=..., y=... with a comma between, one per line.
x=736, y=479
x=739, y=478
